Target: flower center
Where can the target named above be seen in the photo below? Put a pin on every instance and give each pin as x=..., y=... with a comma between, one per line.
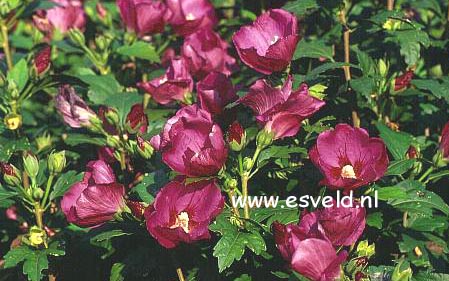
x=347, y=172
x=190, y=16
x=163, y=80
x=275, y=39
x=182, y=221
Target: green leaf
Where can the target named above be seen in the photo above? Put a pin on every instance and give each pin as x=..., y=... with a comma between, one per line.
x=109, y=235
x=117, y=271
x=435, y=87
x=19, y=74
x=6, y=194
x=9, y=147
x=301, y=7
x=397, y=142
x=411, y=196
x=424, y=223
x=149, y=185
x=101, y=87
x=427, y=276
x=279, y=152
x=399, y=167
x=141, y=50
x=313, y=49
x=366, y=63
x=16, y=256
x=375, y=220
x=123, y=103
x=232, y=244
x=34, y=265
x=77, y=139
x=281, y=214
x=64, y=182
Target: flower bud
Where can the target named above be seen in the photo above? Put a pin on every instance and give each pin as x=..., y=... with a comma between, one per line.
x=13, y=121
x=383, y=68
x=102, y=42
x=247, y=164
x=264, y=138
x=236, y=136
x=112, y=117
x=11, y=174
x=31, y=165
x=36, y=236
x=230, y=184
x=42, y=61
x=43, y=141
x=56, y=162
x=113, y=141
x=317, y=91
x=136, y=208
x=38, y=193
x=77, y=37
x=365, y=249
x=144, y=148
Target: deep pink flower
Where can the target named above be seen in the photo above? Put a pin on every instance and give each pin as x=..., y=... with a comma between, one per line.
x=348, y=158
x=142, y=16
x=215, y=91
x=317, y=259
x=205, y=52
x=269, y=43
x=106, y=154
x=308, y=250
x=188, y=16
x=11, y=213
x=403, y=81
x=42, y=60
x=174, y=85
x=444, y=142
x=191, y=143
x=342, y=226
x=136, y=119
x=280, y=110
x=72, y=108
x=182, y=212
x=66, y=15
x=96, y=199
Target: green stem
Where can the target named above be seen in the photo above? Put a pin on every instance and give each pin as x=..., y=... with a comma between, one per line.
x=47, y=190
x=6, y=48
x=245, y=179
x=430, y=170
x=38, y=215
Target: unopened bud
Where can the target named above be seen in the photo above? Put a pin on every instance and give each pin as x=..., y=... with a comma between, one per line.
x=11, y=174
x=113, y=141
x=264, y=138
x=317, y=91
x=31, y=165
x=236, y=136
x=36, y=236
x=38, y=193
x=144, y=148
x=77, y=37
x=56, y=162
x=247, y=164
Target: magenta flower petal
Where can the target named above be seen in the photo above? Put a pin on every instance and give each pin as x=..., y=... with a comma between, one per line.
x=72, y=108
x=100, y=172
x=317, y=259
x=182, y=212
x=444, y=142
x=343, y=226
x=174, y=85
x=280, y=110
x=348, y=158
x=142, y=16
x=96, y=199
x=188, y=16
x=205, y=52
x=215, y=91
x=191, y=143
x=137, y=119
x=269, y=43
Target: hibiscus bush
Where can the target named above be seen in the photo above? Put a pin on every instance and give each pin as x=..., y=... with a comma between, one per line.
x=215, y=140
